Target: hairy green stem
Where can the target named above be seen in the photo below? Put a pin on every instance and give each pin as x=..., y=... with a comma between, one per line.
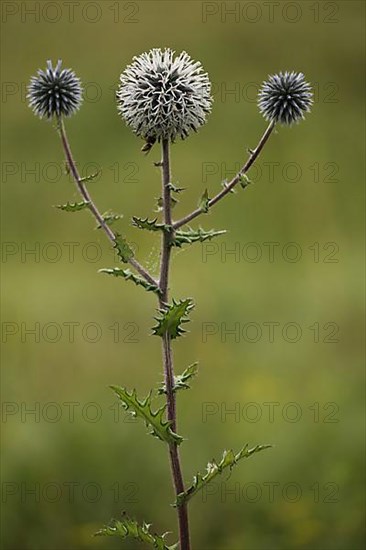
x=253, y=155
x=167, y=348
x=91, y=205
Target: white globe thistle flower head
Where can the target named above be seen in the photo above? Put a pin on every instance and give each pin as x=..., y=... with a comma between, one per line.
x=162, y=96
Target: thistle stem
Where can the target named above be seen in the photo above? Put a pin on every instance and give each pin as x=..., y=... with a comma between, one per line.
x=91, y=205
x=167, y=348
x=253, y=155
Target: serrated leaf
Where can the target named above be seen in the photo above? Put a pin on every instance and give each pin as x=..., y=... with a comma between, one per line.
x=91, y=177
x=124, y=251
x=229, y=460
x=190, y=236
x=110, y=218
x=145, y=223
x=172, y=317
x=181, y=380
x=204, y=202
x=155, y=420
x=73, y=206
x=129, y=528
x=128, y=275
x=244, y=181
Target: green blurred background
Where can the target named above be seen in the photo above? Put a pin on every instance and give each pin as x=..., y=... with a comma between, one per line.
x=86, y=467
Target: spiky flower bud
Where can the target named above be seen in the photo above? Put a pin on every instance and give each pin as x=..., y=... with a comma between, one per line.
x=285, y=98
x=54, y=92
x=161, y=96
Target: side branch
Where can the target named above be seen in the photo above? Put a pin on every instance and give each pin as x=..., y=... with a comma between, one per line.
x=91, y=205
x=253, y=155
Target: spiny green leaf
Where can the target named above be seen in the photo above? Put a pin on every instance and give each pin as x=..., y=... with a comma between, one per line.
x=176, y=189
x=225, y=184
x=110, y=218
x=128, y=275
x=172, y=317
x=124, y=251
x=73, y=206
x=181, y=380
x=155, y=420
x=244, y=181
x=91, y=177
x=229, y=460
x=204, y=202
x=145, y=223
x=129, y=528
x=173, y=202
x=194, y=235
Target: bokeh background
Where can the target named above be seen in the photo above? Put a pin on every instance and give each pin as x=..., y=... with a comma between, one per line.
x=75, y=462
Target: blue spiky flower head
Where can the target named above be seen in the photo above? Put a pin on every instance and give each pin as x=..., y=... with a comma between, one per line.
x=54, y=92
x=285, y=98
x=162, y=96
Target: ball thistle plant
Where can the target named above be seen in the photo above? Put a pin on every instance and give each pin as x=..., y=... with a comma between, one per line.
x=55, y=92
x=163, y=96
x=285, y=98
